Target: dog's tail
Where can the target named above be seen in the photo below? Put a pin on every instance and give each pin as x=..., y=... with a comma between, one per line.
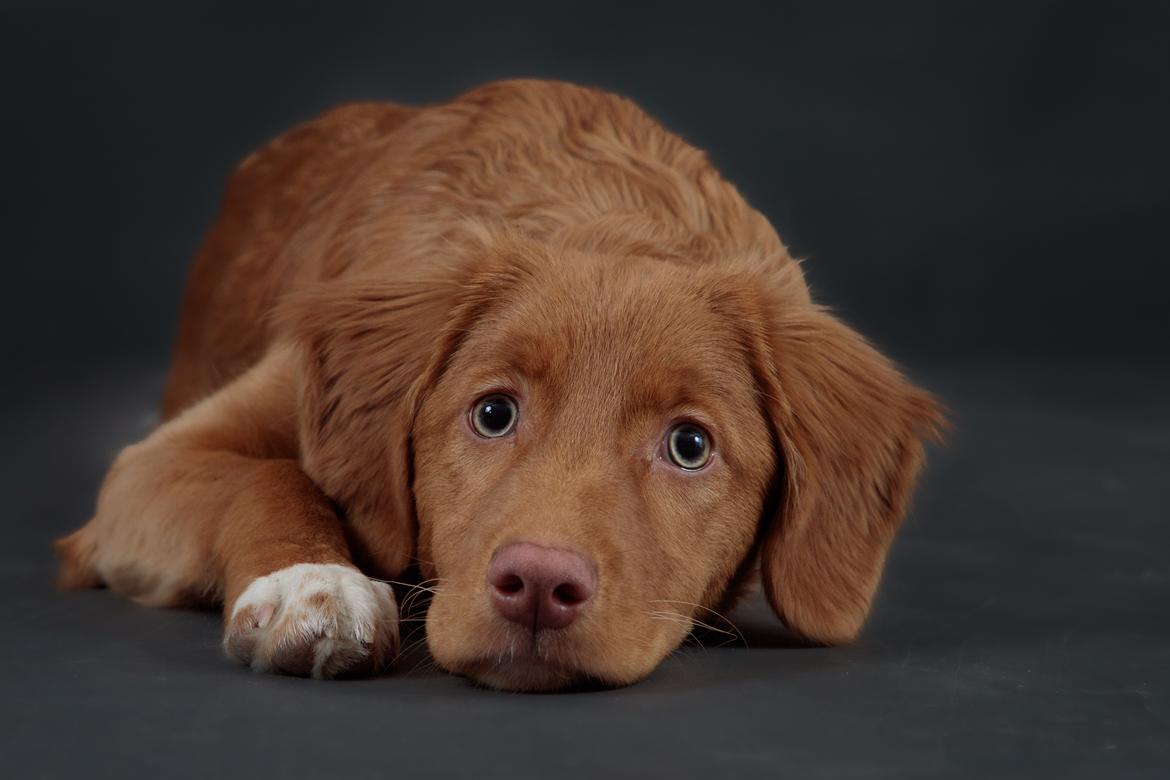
x=77, y=553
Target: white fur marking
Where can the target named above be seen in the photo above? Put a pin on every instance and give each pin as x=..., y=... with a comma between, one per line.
x=334, y=612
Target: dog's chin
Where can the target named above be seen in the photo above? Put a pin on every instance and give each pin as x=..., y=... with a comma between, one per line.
x=528, y=675
x=528, y=671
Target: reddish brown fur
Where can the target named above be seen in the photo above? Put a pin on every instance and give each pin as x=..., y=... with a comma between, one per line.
x=378, y=269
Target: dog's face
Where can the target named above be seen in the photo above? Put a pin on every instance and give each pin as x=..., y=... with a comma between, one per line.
x=585, y=453
x=607, y=412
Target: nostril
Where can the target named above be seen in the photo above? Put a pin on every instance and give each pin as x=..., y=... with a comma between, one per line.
x=510, y=584
x=569, y=594
x=539, y=587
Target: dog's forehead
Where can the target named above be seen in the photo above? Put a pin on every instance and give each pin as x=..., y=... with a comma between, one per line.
x=641, y=330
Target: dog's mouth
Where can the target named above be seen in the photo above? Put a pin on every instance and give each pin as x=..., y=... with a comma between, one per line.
x=527, y=662
x=528, y=673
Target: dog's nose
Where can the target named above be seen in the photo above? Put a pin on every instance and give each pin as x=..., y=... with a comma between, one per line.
x=540, y=587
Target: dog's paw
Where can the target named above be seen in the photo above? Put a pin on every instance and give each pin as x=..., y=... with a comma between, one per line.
x=319, y=620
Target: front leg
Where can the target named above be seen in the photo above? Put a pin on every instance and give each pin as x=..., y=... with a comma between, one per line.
x=294, y=602
x=214, y=508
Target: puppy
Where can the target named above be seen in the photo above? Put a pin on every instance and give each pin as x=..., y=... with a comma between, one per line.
x=528, y=347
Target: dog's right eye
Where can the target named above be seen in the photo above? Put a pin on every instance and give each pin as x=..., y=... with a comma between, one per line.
x=689, y=446
x=494, y=416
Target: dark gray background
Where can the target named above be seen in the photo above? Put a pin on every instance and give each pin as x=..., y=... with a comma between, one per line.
x=982, y=188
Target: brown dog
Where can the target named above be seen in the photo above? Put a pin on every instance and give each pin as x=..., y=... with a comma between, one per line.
x=530, y=347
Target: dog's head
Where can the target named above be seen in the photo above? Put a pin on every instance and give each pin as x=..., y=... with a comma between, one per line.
x=585, y=454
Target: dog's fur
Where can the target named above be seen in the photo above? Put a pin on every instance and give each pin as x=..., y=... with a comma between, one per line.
x=376, y=271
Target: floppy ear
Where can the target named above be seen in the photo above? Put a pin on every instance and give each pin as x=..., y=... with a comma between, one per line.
x=370, y=349
x=850, y=429
x=365, y=348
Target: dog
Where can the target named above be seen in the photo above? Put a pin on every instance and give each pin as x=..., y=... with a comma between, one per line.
x=528, y=350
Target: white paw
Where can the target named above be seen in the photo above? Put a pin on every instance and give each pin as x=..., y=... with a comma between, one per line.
x=313, y=619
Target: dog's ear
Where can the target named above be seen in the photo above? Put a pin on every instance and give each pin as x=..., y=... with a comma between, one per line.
x=365, y=347
x=369, y=350
x=850, y=430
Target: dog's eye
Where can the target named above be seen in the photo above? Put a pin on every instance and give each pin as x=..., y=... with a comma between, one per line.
x=494, y=416
x=689, y=446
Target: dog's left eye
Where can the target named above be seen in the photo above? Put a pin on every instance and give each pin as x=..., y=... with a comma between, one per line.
x=689, y=446
x=494, y=416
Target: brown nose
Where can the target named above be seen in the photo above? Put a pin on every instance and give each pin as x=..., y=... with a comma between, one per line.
x=540, y=587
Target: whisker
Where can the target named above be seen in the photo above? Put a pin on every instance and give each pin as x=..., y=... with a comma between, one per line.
x=734, y=629
x=694, y=622
x=413, y=600
x=719, y=615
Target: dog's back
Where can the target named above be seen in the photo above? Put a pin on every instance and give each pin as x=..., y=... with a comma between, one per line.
x=245, y=262
x=374, y=188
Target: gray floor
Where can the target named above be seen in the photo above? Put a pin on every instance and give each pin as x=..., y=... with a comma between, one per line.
x=1022, y=629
